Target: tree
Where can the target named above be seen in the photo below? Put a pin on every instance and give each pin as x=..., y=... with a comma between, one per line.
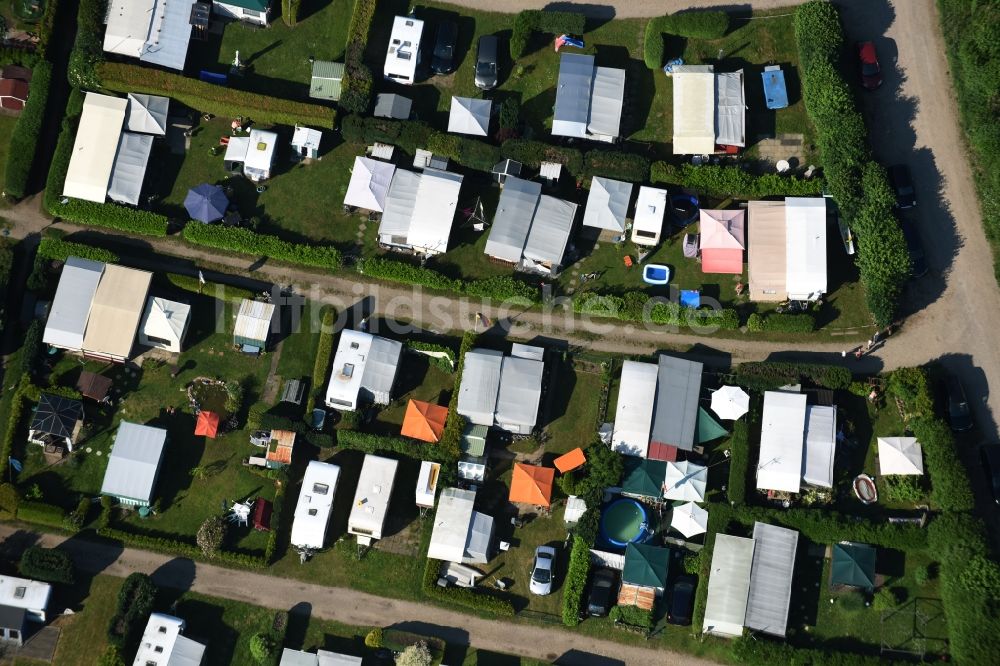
x=211, y=534
x=417, y=654
x=262, y=647
x=374, y=638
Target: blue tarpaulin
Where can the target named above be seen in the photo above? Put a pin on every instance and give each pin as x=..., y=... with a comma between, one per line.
x=775, y=93
x=690, y=298
x=212, y=77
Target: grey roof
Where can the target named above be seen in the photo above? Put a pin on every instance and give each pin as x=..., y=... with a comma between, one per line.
x=327, y=658
x=56, y=415
x=606, y=101
x=477, y=395
x=572, y=110
x=70, y=309
x=381, y=367
x=479, y=541
x=527, y=351
x=130, y=167
x=520, y=391
x=550, y=230
x=678, y=384
x=147, y=114
x=399, y=204
x=290, y=657
x=392, y=106
x=169, y=34
x=728, y=585
x=134, y=462
x=512, y=221
x=12, y=617
x=607, y=204
x=771, y=578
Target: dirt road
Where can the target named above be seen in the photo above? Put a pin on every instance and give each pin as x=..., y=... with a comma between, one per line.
x=549, y=643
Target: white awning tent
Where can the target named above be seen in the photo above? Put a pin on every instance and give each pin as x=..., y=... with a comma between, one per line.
x=607, y=204
x=575, y=508
x=589, y=99
x=694, y=110
x=129, y=169
x=519, y=395
x=369, y=185
x=689, y=519
x=770, y=591
x=477, y=394
x=766, y=250
x=900, y=455
x=512, y=221
x=551, y=227
x=460, y=534
x=470, y=116
x=155, y=31
x=70, y=310
x=371, y=499
x=314, y=506
x=134, y=463
x=649, y=208
x=782, y=431
x=730, y=109
x=805, y=237
x=728, y=586
x=95, y=147
x=821, y=446
x=305, y=141
x=634, y=411
x=420, y=209
x=606, y=101
x=115, y=313
x=685, y=481
x=147, y=114
x=164, y=324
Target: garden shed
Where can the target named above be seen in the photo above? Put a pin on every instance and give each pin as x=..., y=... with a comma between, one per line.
x=472, y=464
x=634, y=411
x=13, y=95
x=460, y=533
x=327, y=80
x=371, y=499
x=369, y=184
x=678, y=387
x=820, y=446
x=781, y=441
x=531, y=484
x=134, y=463
x=728, y=586
x=147, y=114
x=364, y=370
x=253, y=325
x=853, y=565
x=165, y=324
x=94, y=386
x=477, y=394
x=392, y=106
x=607, y=205
x=95, y=147
x=771, y=578
x=70, y=310
x=314, y=505
x=305, y=142
x=722, y=240
x=470, y=116
x=56, y=421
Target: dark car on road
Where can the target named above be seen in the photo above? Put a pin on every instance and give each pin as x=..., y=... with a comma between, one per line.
x=603, y=592
x=989, y=454
x=871, y=72
x=959, y=412
x=915, y=248
x=902, y=186
x=486, y=62
x=681, y=600
x=443, y=59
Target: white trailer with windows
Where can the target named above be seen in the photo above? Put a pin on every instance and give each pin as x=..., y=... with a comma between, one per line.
x=403, y=56
x=371, y=499
x=312, y=511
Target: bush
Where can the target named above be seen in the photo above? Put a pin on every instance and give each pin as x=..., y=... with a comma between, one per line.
x=88, y=48
x=696, y=25
x=477, y=599
x=24, y=140
x=902, y=489
x=407, y=134
x=885, y=599
x=57, y=249
x=632, y=616
x=395, y=270
x=77, y=518
x=10, y=498
x=950, y=488
x=923, y=574
x=382, y=444
x=553, y=23
x=210, y=98
x=618, y=165
x=755, y=323
x=604, y=469
x=356, y=88
x=576, y=580
x=47, y=564
x=41, y=514
x=134, y=604
x=509, y=118
x=638, y=306
x=789, y=323
x=290, y=12
x=732, y=181
x=470, y=153
x=211, y=535
x=373, y=638
x=768, y=375
x=502, y=288
x=532, y=153
x=739, y=462
x=244, y=241
x=262, y=648
x=417, y=654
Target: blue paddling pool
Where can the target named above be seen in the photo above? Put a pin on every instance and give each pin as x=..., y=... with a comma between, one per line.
x=656, y=274
x=623, y=522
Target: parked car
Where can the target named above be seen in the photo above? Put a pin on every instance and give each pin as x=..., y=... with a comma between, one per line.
x=681, y=600
x=871, y=72
x=603, y=592
x=542, y=570
x=959, y=412
x=486, y=62
x=902, y=186
x=990, y=455
x=915, y=248
x=443, y=59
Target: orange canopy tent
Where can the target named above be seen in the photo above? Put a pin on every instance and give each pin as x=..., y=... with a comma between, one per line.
x=424, y=421
x=531, y=484
x=208, y=424
x=570, y=461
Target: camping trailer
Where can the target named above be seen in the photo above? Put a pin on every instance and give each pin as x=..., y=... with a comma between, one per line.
x=403, y=56
x=315, y=504
x=364, y=370
x=371, y=499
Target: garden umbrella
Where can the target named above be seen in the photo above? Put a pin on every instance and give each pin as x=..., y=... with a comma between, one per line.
x=207, y=425
x=730, y=402
x=689, y=519
x=206, y=203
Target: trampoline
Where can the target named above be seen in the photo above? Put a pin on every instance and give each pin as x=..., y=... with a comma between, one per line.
x=684, y=209
x=624, y=522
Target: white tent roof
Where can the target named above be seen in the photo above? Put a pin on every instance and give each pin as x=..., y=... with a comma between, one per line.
x=371, y=499
x=134, y=461
x=575, y=508
x=694, y=110
x=520, y=391
x=165, y=319
x=512, y=221
x=70, y=308
x=470, y=116
x=306, y=137
x=728, y=585
x=685, y=481
x=451, y=525
x=95, y=147
x=397, y=205
x=573, y=91
x=128, y=26
x=606, y=102
x=147, y=114
x=550, y=230
x=427, y=480
x=116, y=310
x=236, y=149
x=169, y=34
x=260, y=152
x=771, y=578
x=477, y=395
x=782, y=431
x=315, y=503
x=689, y=519
x=254, y=320
x=730, y=109
x=434, y=210
x=130, y=167
x=821, y=445
x=163, y=643
x=649, y=209
x=900, y=455
x=607, y=204
x=634, y=413
x=805, y=238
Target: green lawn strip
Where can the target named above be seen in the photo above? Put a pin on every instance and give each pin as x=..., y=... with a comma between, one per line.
x=7, y=124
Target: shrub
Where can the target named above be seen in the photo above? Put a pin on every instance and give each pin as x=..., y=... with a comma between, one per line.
x=905, y=489
x=467, y=152
x=262, y=648
x=88, y=48
x=9, y=498
x=632, y=616
x=732, y=181
x=767, y=375
x=41, y=514
x=604, y=469
x=373, y=638
x=697, y=25
x=244, y=241
x=356, y=88
x=950, y=488
x=290, y=12
x=211, y=535
x=553, y=23
x=755, y=323
x=576, y=580
x=477, y=599
x=57, y=249
x=789, y=323
x=77, y=518
x=923, y=574
x=532, y=153
x=24, y=140
x=739, y=462
x=509, y=118
x=210, y=98
x=618, y=165
x=502, y=288
x=417, y=654
x=632, y=306
x=134, y=604
x=401, y=446
x=885, y=599
x=395, y=270
x=47, y=564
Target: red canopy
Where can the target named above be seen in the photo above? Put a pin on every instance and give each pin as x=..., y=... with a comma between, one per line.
x=208, y=424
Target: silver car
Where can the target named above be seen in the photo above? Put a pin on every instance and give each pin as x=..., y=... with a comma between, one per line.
x=486, y=62
x=542, y=571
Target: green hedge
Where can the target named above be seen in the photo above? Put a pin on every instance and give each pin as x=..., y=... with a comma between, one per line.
x=788, y=323
x=41, y=514
x=134, y=605
x=46, y=25
x=759, y=650
x=77, y=518
x=695, y=25
x=766, y=375
x=245, y=241
x=502, y=288
x=618, y=165
x=550, y=22
x=532, y=153
x=394, y=270
x=402, y=446
x=635, y=306
x=88, y=48
x=732, y=181
x=477, y=599
x=324, y=354
x=575, y=585
x=57, y=249
x=445, y=364
x=24, y=140
x=468, y=152
x=407, y=134
x=180, y=548
x=210, y=98
x=739, y=462
x=47, y=564
x=455, y=424
x=356, y=88
x=632, y=617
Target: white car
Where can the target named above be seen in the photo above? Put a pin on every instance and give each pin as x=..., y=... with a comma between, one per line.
x=542, y=571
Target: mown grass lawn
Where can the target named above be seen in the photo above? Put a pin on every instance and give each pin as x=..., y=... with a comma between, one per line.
x=84, y=634
x=7, y=124
x=574, y=410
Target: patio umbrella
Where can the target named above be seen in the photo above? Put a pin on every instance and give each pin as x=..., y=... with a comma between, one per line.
x=206, y=203
x=730, y=402
x=689, y=519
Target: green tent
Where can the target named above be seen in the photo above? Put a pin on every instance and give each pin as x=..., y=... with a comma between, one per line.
x=853, y=564
x=644, y=477
x=707, y=428
x=646, y=566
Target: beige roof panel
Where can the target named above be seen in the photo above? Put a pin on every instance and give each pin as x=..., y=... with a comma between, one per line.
x=767, y=250
x=116, y=311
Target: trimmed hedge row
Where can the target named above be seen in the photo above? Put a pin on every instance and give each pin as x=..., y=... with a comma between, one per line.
x=45, y=26
x=407, y=134
x=324, y=352
x=532, y=153
x=468, y=152
x=502, y=288
x=618, y=165
x=401, y=446
x=696, y=25
x=57, y=249
x=553, y=23
x=47, y=564
x=455, y=424
x=637, y=306
x=209, y=98
x=444, y=363
x=764, y=376
x=41, y=513
x=88, y=48
x=245, y=241
x=739, y=462
x=759, y=650
x=181, y=548
x=732, y=181
x=579, y=568
x=481, y=600
x=24, y=140
x=781, y=323
x=356, y=88
x=134, y=605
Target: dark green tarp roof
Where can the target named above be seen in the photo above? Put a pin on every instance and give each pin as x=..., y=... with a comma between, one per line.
x=853, y=564
x=646, y=566
x=644, y=477
x=707, y=428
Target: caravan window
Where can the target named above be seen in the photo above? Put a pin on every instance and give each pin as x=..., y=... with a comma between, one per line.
x=313, y=512
x=348, y=370
x=20, y=591
x=321, y=488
